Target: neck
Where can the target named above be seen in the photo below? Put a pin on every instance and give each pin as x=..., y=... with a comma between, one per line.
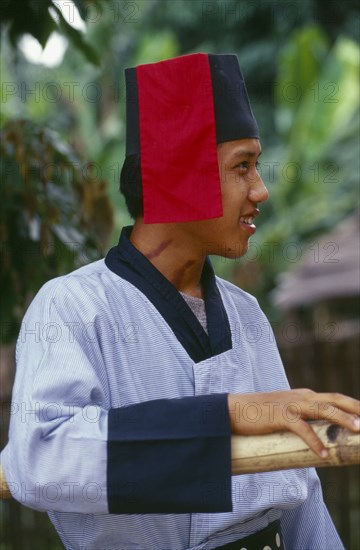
x=172, y=252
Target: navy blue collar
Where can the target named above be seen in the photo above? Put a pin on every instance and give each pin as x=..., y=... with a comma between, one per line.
x=127, y=262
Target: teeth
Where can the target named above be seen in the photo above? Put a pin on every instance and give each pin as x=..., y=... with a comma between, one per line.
x=249, y=220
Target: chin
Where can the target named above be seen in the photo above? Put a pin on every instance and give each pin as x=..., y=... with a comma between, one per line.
x=233, y=252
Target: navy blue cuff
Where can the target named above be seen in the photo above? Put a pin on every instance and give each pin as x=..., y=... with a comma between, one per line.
x=170, y=456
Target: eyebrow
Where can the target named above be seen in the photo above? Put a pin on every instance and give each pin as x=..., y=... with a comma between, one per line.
x=244, y=153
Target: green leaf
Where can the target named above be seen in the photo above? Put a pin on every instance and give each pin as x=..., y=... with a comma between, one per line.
x=81, y=6
x=322, y=117
x=44, y=29
x=76, y=37
x=299, y=67
x=29, y=20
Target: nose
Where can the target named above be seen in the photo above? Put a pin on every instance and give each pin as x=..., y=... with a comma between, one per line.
x=258, y=191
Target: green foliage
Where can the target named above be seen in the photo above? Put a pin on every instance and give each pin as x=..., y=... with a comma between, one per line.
x=29, y=19
x=315, y=177
x=55, y=215
x=35, y=18
x=317, y=123
x=152, y=49
x=76, y=38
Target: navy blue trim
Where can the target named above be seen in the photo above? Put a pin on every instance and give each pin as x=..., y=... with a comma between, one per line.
x=127, y=262
x=170, y=456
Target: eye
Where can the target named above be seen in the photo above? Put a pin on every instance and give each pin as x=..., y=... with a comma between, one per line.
x=244, y=165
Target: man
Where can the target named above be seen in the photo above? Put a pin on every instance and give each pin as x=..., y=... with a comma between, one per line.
x=124, y=406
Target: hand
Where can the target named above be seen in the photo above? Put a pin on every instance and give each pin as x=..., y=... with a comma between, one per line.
x=266, y=412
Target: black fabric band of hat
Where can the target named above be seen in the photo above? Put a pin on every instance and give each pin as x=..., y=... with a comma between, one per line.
x=132, y=113
x=233, y=115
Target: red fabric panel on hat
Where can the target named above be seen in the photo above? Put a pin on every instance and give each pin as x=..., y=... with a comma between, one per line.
x=179, y=167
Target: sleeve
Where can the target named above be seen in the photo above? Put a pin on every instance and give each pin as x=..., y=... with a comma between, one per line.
x=68, y=452
x=310, y=525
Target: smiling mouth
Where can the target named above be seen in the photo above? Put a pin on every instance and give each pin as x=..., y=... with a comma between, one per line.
x=249, y=220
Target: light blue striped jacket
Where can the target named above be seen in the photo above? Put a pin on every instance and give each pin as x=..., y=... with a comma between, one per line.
x=90, y=342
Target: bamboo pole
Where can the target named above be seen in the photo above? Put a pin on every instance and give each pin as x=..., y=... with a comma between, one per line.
x=279, y=451
x=4, y=489
x=285, y=450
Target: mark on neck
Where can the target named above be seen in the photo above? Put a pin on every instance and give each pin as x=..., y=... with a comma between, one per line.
x=158, y=250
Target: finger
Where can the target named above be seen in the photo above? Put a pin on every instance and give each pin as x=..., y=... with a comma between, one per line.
x=344, y=402
x=305, y=431
x=331, y=413
x=349, y=421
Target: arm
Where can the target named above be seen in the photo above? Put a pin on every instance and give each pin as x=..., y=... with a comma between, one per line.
x=70, y=451
x=307, y=525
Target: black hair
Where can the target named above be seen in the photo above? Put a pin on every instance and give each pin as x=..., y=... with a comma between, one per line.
x=131, y=186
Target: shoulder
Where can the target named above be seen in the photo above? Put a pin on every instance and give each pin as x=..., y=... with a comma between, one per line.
x=80, y=289
x=240, y=305
x=233, y=293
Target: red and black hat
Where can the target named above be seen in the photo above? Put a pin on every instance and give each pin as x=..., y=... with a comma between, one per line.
x=177, y=111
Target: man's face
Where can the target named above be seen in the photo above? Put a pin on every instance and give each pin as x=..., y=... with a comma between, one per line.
x=242, y=191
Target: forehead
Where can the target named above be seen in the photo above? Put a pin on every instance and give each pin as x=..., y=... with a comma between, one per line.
x=239, y=149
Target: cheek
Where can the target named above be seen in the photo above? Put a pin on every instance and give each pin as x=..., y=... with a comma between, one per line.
x=233, y=198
